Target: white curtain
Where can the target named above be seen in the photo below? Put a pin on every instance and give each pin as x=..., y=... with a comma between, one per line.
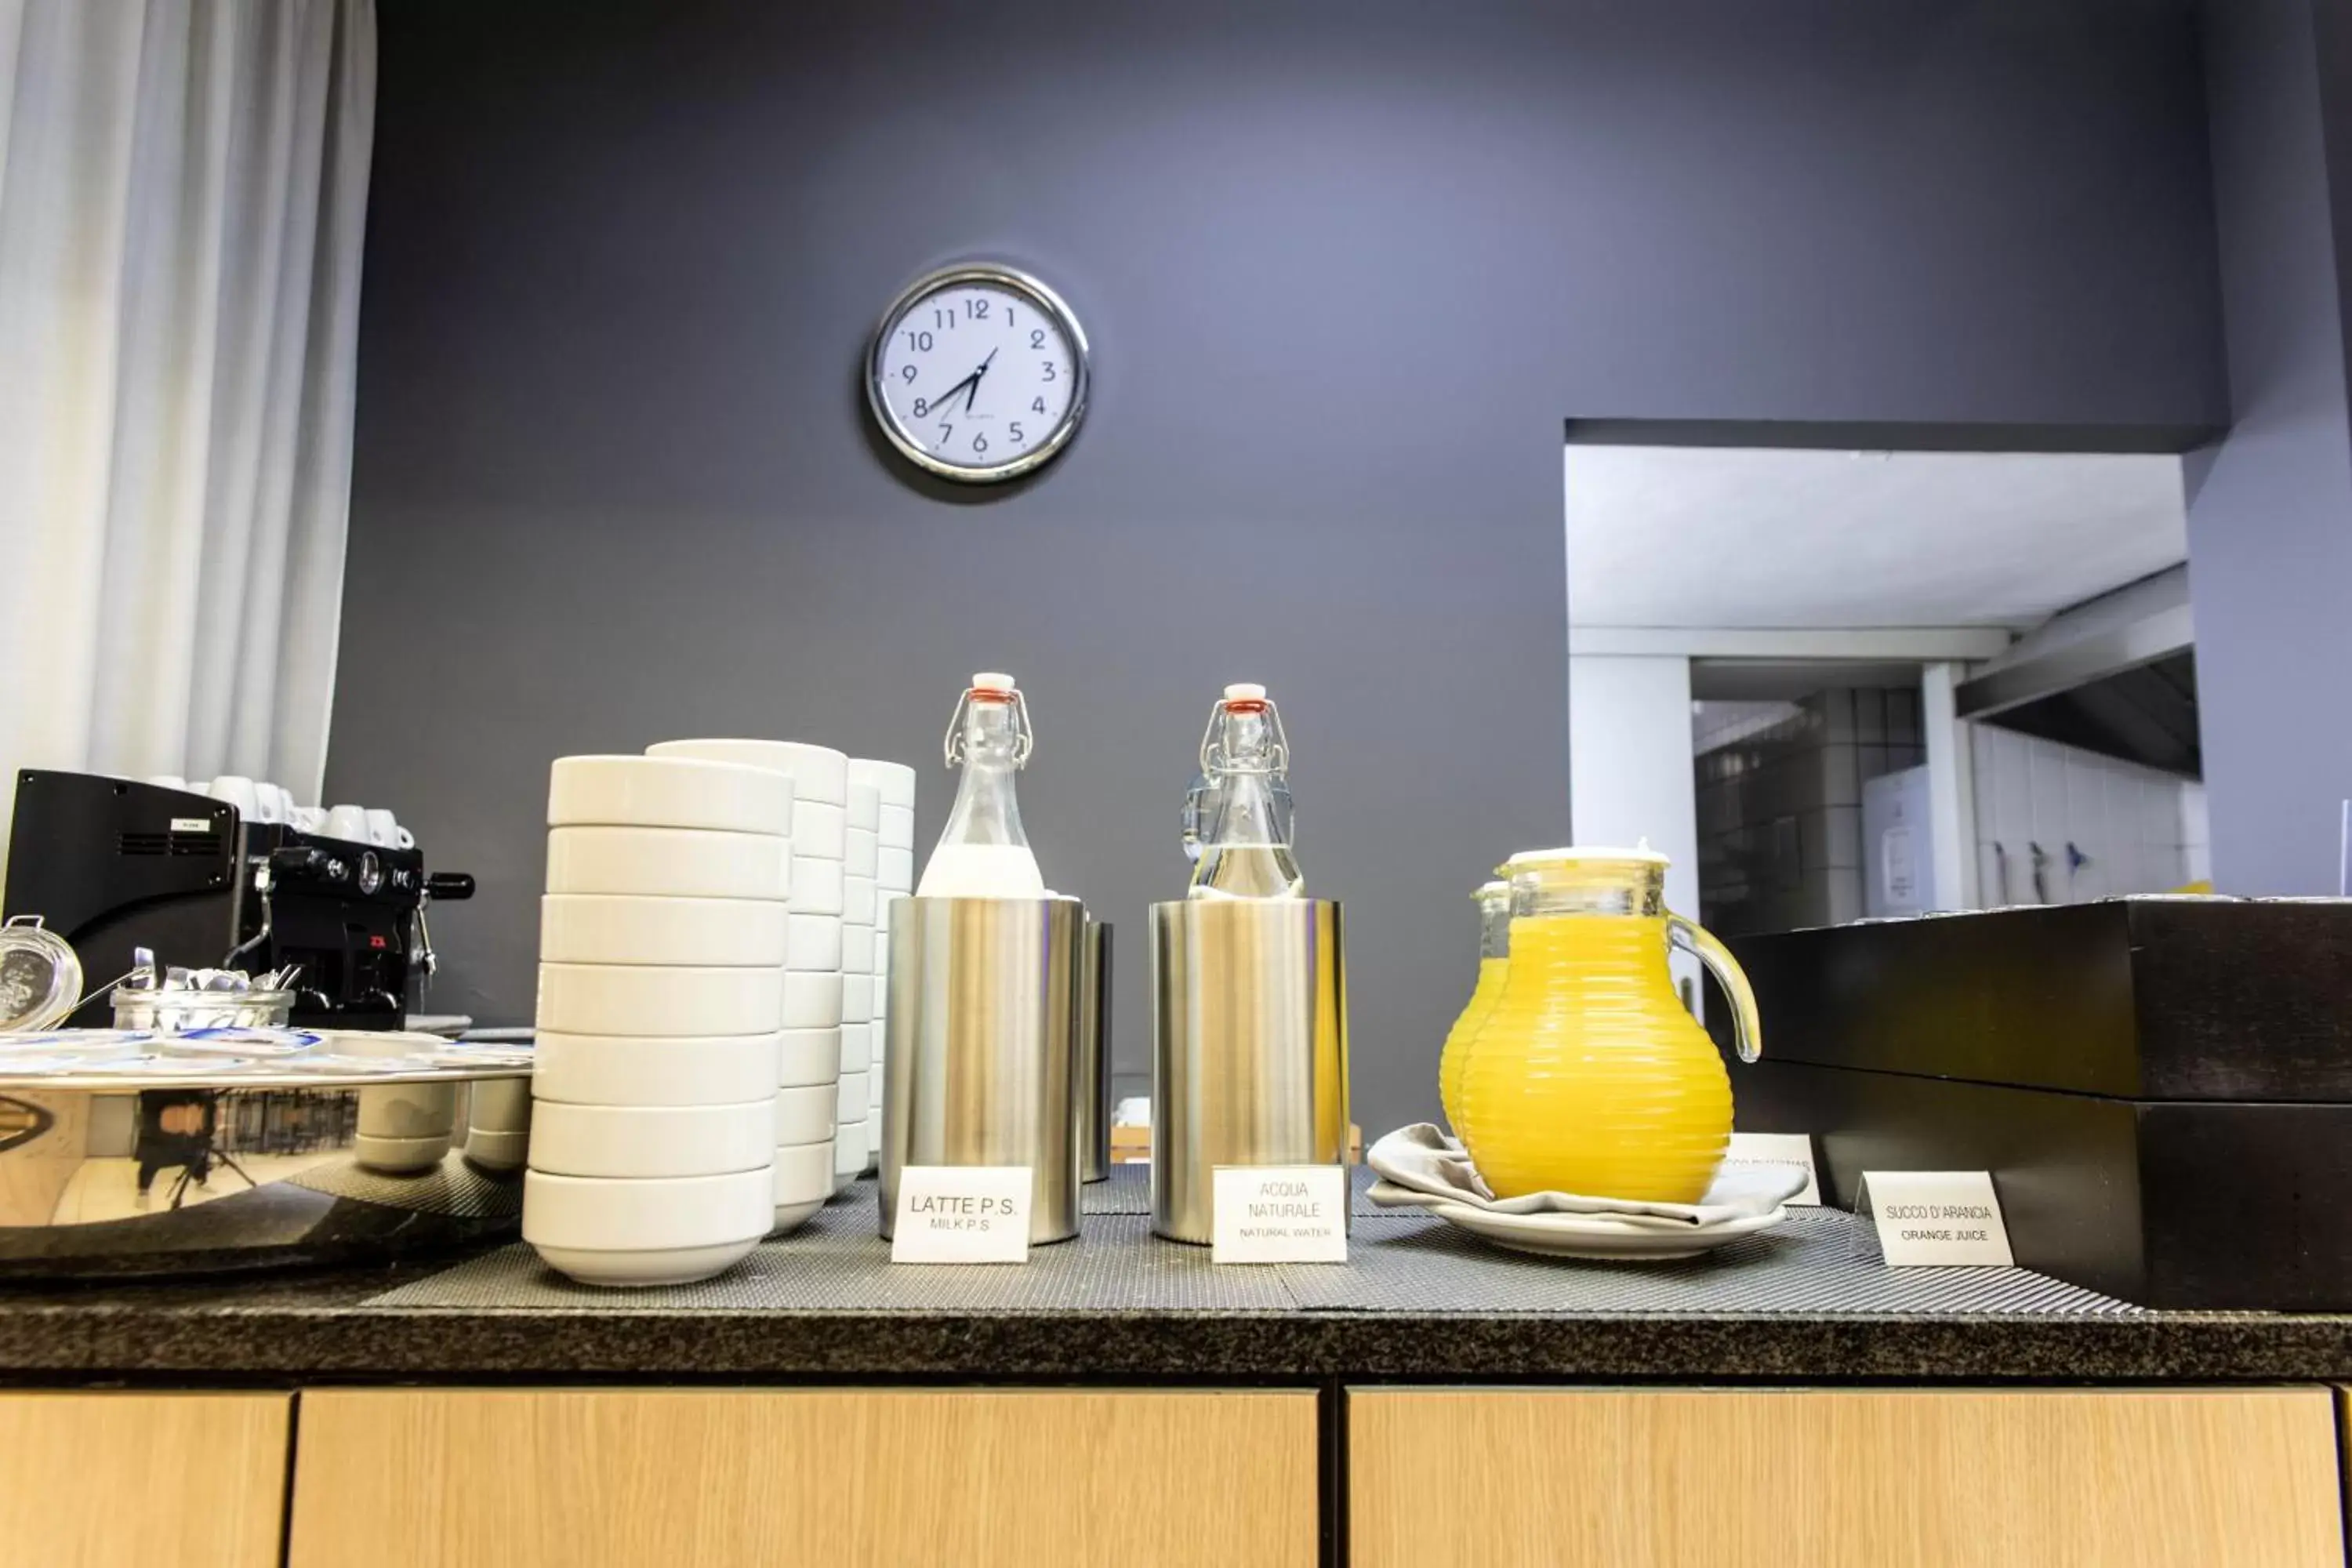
x=183, y=191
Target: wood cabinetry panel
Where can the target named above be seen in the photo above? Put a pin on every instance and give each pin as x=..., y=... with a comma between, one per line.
x=848, y=1478
x=1844, y=1479
x=132, y=1480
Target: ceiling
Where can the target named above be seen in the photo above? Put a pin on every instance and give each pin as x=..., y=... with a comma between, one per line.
x=1786, y=680
x=1733, y=537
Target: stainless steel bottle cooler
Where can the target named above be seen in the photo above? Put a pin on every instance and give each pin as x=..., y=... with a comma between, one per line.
x=981, y=1057
x=1249, y=1046
x=1094, y=1054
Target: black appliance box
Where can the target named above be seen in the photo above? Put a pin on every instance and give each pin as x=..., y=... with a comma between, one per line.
x=2161, y=1088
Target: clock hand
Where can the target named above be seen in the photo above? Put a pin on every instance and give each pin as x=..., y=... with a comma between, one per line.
x=968, y=385
x=944, y=398
x=975, y=381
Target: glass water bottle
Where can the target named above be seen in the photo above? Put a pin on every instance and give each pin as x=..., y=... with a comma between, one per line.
x=1244, y=803
x=984, y=853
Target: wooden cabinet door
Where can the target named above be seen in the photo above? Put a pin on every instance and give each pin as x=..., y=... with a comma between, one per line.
x=135, y=1481
x=1844, y=1479
x=847, y=1479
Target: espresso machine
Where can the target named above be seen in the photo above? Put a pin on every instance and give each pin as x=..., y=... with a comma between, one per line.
x=113, y=866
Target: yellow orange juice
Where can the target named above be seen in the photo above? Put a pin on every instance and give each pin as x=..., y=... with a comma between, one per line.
x=1451, y=1060
x=1589, y=1075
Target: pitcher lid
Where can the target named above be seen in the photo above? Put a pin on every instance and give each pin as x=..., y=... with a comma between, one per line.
x=1577, y=853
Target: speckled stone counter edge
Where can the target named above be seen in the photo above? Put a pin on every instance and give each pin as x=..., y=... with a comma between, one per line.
x=209, y=1336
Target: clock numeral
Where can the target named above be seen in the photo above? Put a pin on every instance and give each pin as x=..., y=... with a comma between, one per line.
x=1016, y=428
x=943, y=318
x=946, y=430
x=907, y=374
x=1037, y=405
x=1008, y=315
x=921, y=342
x=976, y=310
x=1049, y=370
x=980, y=443
x=1036, y=337
x=921, y=408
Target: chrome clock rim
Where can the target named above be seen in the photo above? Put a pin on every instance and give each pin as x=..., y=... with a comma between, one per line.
x=1041, y=297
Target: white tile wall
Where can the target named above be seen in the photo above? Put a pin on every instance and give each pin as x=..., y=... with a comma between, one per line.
x=2143, y=831
x=2196, y=832
x=1719, y=723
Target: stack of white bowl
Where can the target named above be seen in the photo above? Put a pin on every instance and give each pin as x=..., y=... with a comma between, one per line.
x=859, y=1033
x=813, y=1064
x=662, y=942
x=894, y=782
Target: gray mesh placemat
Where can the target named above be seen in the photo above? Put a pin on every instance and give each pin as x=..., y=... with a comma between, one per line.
x=1128, y=1190
x=838, y=1262
x=1410, y=1263
x=452, y=1187
x=1417, y=1264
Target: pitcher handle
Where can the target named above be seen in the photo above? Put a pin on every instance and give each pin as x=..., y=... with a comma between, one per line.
x=1695, y=939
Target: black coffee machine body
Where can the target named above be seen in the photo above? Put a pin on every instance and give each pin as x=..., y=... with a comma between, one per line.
x=111, y=865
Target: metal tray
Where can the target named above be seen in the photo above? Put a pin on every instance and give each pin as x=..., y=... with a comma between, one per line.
x=124, y=1155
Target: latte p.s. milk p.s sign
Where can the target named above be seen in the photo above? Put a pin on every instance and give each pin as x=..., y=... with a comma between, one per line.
x=963, y=1214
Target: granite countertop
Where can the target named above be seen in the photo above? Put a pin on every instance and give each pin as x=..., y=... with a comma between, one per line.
x=1417, y=1300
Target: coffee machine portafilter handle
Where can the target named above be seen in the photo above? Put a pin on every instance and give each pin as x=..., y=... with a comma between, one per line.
x=454, y=886
x=264, y=878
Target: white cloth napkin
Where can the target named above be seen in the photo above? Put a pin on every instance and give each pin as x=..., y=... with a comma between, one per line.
x=1419, y=1162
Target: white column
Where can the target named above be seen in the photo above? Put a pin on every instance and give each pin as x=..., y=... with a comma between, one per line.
x=1951, y=786
x=1630, y=769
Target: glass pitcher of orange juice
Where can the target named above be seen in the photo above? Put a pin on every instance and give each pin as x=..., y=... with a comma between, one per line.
x=1494, y=959
x=1590, y=1076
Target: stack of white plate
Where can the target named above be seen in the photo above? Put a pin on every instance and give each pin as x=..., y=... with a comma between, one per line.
x=661, y=989
x=894, y=782
x=816, y=1061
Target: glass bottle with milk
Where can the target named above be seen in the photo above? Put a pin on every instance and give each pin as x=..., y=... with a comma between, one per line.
x=1244, y=803
x=983, y=853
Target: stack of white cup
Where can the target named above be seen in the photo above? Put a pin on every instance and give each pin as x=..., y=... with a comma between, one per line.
x=662, y=942
x=858, y=1030
x=813, y=1062
x=807, y=1089
x=893, y=783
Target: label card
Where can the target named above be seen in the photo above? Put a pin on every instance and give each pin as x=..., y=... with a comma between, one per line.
x=1280, y=1213
x=1936, y=1217
x=1793, y=1149
x=963, y=1214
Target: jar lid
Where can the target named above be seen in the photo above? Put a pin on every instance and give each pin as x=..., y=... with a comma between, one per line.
x=40, y=977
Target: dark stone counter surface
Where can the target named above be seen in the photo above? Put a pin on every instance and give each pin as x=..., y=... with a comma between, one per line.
x=1417, y=1302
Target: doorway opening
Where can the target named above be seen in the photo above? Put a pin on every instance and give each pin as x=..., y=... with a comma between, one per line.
x=1836, y=685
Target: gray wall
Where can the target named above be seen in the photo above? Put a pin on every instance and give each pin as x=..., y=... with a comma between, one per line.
x=2270, y=526
x=1347, y=271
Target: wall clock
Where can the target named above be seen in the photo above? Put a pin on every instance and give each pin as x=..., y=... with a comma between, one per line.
x=978, y=373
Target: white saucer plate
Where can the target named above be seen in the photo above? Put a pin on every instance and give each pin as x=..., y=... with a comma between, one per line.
x=1599, y=1237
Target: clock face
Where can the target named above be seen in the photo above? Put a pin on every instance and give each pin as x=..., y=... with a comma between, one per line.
x=977, y=373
